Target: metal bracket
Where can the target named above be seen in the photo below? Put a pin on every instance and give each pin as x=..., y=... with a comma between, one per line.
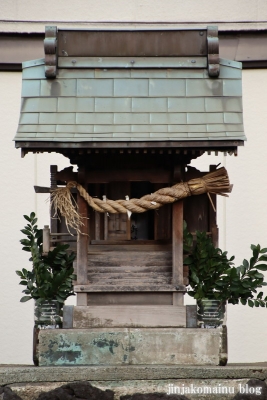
x=50, y=48
x=213, y=51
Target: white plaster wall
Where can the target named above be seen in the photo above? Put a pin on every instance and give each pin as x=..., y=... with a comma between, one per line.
x=242, y=217
x=27, y=14
x=17, y=198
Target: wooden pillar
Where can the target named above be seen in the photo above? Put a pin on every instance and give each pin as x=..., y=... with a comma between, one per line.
x=177, y=243
x=213, y=228
x=97, y=215
x=53, y=185
x=82, y=245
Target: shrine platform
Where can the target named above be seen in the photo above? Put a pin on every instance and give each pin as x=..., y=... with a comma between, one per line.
x=29, y=381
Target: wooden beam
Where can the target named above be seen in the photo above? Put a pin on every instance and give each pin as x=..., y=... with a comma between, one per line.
x=177, y=242
x=123, y=316
x=82, y=246
x=53, y=185
x=129, y=288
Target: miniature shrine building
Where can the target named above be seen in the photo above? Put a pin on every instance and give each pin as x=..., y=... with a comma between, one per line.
x=131, y=109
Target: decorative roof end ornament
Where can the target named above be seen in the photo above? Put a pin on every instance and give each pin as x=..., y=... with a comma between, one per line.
x=213, y=51
x=50, y=48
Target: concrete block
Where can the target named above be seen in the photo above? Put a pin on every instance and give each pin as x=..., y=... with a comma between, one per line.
x=83, y=347
x=118, y=346
x=175, y=346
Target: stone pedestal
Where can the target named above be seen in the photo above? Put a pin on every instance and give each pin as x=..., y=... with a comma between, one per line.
x=132, y=346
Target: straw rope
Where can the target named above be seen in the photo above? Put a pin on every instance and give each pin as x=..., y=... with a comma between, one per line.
x=62, y=201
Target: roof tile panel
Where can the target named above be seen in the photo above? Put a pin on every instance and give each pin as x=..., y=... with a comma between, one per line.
x=109, y=104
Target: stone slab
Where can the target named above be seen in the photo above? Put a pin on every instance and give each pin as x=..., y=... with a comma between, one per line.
x=10, y=374
x=123, y=346
x=192, y=389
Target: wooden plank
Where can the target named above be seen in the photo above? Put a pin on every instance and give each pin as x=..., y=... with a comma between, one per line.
x=129, y=298
x=162, y=217
x=129, y=288
x=97, y=214
x=129, y=43
x=81, y=299
x=82, y=243
x=129, y=258
x=129, y=316
x=53, y=185
x=213, y=216
x=130, y=269
x=131, y=281
x=42, y=189
x=138, y=244
x=177, y=242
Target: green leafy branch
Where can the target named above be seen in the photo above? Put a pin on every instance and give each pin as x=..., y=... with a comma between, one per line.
x=52, y=274
x=213, y=276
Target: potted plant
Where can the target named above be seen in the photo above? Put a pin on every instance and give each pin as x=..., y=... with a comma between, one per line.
x=49, y=282
x=214, y=280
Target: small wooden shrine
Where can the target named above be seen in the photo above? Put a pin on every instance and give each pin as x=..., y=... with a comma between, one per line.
x=131, y=109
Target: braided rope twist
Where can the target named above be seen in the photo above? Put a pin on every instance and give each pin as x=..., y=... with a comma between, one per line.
x=216, y=182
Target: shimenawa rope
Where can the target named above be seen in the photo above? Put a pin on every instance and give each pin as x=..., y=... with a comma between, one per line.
x=62, y=201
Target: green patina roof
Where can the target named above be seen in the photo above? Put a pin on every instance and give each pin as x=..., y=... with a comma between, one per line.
x=131, y=104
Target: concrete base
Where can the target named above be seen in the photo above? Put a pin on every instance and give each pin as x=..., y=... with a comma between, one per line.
x=124, y=346
x=28, y=381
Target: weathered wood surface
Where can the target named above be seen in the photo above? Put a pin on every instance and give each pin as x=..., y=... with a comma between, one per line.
x=129, y=316
x=133, y=265
x=177, y=241
x=132, y=43
x=82, y=245
x=126, y=286
x=129, y=298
